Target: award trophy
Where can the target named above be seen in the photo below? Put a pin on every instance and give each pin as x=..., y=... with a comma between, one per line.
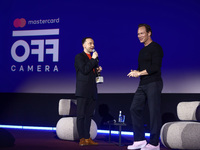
x=99, y=78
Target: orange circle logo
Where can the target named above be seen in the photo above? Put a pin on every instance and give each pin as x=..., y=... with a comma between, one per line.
x=19, y=22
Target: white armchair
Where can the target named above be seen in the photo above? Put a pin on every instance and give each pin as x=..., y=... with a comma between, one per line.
x=183, y=134
x=66, y=128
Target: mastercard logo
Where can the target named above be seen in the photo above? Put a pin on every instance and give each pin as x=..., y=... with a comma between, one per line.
x=19, y=23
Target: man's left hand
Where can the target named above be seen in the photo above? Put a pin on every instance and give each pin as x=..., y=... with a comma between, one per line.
x=134, y=73
x=99, y=69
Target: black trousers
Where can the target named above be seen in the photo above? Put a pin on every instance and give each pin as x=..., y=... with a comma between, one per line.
x=150, y=93
x=85, y=111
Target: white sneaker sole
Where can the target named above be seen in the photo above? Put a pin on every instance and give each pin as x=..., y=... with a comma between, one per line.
x=136, y=147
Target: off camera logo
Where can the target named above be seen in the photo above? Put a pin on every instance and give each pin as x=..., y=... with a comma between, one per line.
x=40, y=43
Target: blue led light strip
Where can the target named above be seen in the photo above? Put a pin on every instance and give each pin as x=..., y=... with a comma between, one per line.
x=54, y=129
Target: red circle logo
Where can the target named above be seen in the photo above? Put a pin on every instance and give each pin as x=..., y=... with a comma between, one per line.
x=19, y=22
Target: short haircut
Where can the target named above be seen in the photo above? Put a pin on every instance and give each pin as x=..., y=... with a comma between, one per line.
x=84, y=39
x=148, y=28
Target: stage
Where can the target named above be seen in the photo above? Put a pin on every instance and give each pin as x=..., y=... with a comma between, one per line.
x=47, y=140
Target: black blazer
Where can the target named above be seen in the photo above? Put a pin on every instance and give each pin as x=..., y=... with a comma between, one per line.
x=85, y=76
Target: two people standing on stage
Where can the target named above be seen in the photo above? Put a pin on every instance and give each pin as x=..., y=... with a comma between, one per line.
x=149, y=90
x=87, y=69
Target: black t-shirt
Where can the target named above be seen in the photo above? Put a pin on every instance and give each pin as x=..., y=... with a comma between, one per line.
x=150, y=59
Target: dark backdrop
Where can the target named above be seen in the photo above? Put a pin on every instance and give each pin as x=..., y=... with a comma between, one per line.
x=42, y=109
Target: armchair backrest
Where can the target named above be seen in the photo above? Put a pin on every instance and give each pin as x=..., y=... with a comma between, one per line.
x=67, y=107
x=189, y=111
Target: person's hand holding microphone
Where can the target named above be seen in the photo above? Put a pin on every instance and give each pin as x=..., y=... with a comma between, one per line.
x=95, y=56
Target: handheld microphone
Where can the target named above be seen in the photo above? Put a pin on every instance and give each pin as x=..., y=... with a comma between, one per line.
x=97, y=57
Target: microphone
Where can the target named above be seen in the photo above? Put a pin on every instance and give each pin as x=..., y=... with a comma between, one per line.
x=99, y=78
x=97, y=57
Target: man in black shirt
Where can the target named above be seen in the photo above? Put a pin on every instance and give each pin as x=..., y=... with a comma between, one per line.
x=149, y=90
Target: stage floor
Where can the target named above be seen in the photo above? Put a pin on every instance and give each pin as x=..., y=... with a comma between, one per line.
x=47, y=140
